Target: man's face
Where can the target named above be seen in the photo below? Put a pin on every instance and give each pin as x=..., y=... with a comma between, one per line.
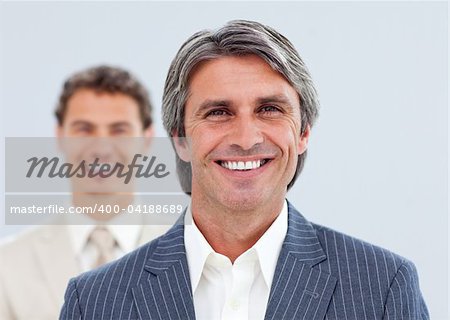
x=102, y=125
x=242, y=121
x=101, y=115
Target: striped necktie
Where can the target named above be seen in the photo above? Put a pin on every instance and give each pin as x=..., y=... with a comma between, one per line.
x=104, y=244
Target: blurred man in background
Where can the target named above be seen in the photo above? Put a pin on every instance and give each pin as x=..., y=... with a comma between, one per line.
x=98, y=104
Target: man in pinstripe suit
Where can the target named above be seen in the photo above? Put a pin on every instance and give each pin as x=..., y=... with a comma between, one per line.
x=245, y=101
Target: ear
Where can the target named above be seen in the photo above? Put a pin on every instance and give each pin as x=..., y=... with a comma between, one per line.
x=59, y=133
x=148, y=136
x=303, y=141
x=149, y=132
x=181, y=146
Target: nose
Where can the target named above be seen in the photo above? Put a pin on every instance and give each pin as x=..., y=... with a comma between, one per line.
x=101, y=132
x=246, y=132
x=102, y=145
x=102, y=148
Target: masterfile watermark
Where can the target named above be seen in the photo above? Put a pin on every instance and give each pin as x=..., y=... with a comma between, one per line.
x=59, y=209
x=96, y=165
x=145, y=168
x=78, y=180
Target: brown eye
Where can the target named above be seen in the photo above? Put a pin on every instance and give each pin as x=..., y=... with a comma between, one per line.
x=83, y=129
x=119, y=131
x=269, y=109
x=217, y=113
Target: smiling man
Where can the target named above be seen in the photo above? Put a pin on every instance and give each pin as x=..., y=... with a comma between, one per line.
x=100, y=112
x=239, y=104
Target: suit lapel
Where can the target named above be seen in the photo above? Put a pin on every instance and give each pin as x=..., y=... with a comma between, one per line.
x=300, y=291
x=165, y=287
x=56, y=270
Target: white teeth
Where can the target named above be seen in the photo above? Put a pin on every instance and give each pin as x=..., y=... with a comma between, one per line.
x=241, y=165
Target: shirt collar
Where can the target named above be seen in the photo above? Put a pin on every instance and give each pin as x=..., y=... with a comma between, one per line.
x=79, y=235
x=81, y=227
x=197, y=248
x=268, y=247
x=127, y=236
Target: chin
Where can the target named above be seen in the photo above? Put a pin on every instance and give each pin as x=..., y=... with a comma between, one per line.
x=240, y=202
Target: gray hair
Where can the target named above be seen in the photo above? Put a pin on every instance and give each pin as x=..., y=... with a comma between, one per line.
x=236, y=38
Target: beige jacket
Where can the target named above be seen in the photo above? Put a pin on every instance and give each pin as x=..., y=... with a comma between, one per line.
x=36, y=267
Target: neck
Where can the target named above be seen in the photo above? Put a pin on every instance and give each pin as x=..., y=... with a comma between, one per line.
x=231, y=232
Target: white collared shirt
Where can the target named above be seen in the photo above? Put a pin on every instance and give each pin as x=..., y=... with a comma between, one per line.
x=223, y=290
x=126, y=236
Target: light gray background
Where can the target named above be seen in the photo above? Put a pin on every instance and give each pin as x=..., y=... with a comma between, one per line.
x=377, y=166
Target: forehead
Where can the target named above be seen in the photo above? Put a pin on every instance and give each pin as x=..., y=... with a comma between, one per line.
x=90, y=105
x=238, y=77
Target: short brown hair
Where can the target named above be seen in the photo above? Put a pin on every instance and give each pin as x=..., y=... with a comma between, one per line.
x=110, y=80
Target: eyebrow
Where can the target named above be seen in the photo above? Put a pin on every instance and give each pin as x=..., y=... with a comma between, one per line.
x=120, y=124
x=279, y=98
x=80, y=123
x=88, y=123
x=209, y=103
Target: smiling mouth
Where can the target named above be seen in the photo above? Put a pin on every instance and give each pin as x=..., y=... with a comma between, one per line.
x=243, y=165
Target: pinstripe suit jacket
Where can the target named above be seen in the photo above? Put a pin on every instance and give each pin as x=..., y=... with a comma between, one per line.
x=320, y=274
